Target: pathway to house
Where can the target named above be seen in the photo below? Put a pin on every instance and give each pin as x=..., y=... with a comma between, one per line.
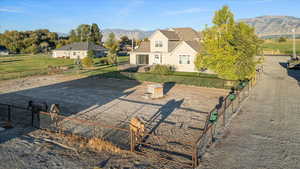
x=266, y=133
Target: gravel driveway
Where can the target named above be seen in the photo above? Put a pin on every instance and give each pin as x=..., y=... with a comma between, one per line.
x=266, y=133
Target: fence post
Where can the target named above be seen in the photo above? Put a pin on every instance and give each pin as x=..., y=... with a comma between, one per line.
x=248, y=86
x=224, y=112
x=238, y=96
x=195, y=156
x=9, y=116
x=32, y=118
x=132, y=141
x=38, y=119
x=232, y=107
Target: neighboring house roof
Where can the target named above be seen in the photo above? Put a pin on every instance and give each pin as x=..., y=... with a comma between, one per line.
x=186, y=34
x=143, y=47
x=195, y=45
x=171, y=35
x=82, y=46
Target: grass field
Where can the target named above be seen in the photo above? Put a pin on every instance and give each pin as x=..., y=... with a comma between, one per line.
x=284, y=47
x=17, y=66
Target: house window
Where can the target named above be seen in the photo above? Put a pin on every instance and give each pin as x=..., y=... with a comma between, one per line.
x=184, y=59
x=158, y=43
x=74, y=53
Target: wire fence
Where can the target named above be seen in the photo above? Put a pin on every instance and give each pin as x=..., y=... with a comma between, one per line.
x=86, y=128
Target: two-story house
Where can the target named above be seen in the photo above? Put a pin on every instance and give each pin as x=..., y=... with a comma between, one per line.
x=177, y=47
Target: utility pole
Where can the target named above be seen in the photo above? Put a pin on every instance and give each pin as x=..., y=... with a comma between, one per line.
x=131, y=44
x=294, y=43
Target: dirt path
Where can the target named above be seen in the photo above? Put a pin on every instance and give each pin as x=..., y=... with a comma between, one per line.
x=266, y=133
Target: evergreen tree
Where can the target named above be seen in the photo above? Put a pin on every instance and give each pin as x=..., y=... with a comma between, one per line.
x=73, y=36
x=95, y=35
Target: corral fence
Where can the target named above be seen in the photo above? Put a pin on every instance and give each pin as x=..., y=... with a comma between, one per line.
x=137, y=141
x=13, y=115
x=221, y=115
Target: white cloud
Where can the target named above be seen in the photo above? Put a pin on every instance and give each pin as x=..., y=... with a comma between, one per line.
x=186, y=11
x=10, y=10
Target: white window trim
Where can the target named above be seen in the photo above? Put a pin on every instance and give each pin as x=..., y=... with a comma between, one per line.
x=188, y=59
x=158, y=44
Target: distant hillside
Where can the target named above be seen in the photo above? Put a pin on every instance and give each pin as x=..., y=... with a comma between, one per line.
x=136, y=34
x=272, y=26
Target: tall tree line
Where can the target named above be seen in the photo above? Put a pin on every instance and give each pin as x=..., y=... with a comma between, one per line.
x=42, y=40
x=85, y=32
x=29, y=41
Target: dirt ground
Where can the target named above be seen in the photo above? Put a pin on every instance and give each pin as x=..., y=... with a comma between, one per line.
x=266, y=133
x=178, y=117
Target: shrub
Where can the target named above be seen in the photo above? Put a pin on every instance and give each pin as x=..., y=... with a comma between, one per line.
x=162, y=69
x=104, y=61
x=282, y=39
x=87, y=62
x=91, y=54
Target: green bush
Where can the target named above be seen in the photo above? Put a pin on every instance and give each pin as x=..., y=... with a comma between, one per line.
x=91, y=54
x=162, y=69
x=282, y=39
x=187, y=80
x=104, y=61
x=87, y=62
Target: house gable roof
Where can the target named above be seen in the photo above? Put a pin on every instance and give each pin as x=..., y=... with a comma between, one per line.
x=195, y=45
x=82, y=46
x=171, y=35
x=186, y=34
x=143, y=47
x=172, y=45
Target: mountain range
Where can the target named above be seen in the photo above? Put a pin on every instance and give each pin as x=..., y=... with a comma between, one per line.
x=135, y=33
x=265, y=26
x=274, y=26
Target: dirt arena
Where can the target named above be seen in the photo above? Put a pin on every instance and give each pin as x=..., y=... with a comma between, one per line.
x=179, y=116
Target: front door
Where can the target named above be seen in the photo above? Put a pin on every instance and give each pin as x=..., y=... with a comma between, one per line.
x=157, y=59
x=142, y=59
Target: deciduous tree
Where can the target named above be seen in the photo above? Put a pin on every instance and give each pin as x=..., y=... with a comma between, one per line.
x=112, y=45
x=229, y=48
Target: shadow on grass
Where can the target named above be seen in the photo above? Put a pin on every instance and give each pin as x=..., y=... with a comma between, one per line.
x=10, y=61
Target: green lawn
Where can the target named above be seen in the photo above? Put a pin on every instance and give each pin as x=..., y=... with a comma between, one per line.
x=204, y=80
x=284, y=47
x=16, y=66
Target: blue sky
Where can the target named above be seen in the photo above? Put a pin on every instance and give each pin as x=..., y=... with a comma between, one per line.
x=63, y=15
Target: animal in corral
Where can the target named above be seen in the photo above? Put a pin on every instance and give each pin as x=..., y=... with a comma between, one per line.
x=54, y=110
x=137, y=126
